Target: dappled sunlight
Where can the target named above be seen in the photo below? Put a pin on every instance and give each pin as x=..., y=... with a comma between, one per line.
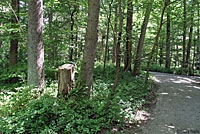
x=181, y=90
x=181, y=81
x=196, y=87
x=188, y=97
x=157, y=80
x=164, y=93
x=142, y=115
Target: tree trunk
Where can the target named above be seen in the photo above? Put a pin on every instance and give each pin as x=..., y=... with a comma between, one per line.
x=184, y=33
x=194, y=56
x=35, y=44
x=107, y=37
x=136, y=70
x=115, y=35
x=177, y=57
x=72, y=34
x=66, y=78
x=14, y=40
x=129, y=27
x=52, y=44
x=156, y=41
x=102, y=45
x=190, y=39
x=87, y=68
x=118, y=58
x=198, y=38
x=1, y=43
x=167, y=64
x=161, y=54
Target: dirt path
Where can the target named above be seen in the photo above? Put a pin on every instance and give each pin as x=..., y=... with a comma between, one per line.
x=177, y=110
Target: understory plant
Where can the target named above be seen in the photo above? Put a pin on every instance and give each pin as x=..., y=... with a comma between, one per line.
x=41, y=111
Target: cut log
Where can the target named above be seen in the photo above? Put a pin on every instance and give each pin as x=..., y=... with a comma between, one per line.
x=65, y=79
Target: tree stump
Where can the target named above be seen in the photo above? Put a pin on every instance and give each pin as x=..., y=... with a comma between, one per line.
x=65, y=79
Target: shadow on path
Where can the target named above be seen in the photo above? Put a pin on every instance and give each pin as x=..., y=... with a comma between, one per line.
x=177, y=110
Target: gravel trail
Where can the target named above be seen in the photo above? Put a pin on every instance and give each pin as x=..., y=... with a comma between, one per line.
x=177, y=110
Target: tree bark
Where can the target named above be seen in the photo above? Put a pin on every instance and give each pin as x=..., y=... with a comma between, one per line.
x=115, y=35
x=137, y=64
x=87, y=68
x=129, y=27
x=161, y=54
x=72, y=29
x=190, y=38
x=107, y=37
x=1, y=43
x=198, y=38
x=156, y=41
x=184, y=33
x=194, y=56
x=66, y=78
x=102, y=45
x=167, y=64
x=118, y=58
x=51, y=37
x=35, y=44
x=14, y=41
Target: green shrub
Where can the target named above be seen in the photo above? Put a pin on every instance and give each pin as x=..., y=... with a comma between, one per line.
x=40, y=111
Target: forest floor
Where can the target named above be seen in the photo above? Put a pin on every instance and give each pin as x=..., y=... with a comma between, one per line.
x=177, y=107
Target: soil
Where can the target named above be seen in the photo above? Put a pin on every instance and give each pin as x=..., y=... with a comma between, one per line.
x=177, y=108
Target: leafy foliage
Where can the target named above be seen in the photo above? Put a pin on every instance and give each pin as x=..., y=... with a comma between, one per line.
x=40, y=111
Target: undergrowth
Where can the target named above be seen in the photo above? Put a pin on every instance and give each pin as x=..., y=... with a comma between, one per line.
x=179, y=70
x=39, y=111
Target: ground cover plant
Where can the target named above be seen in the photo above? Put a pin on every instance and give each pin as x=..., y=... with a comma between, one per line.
x=40, y=111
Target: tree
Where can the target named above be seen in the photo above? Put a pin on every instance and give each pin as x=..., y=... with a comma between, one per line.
x=72, y=29
x=115, y=35
x=184, y=33
x=129, y=27
x=190, y=37
x=87, y=68
x=118, y=58
x=35, y=44
x=107, y=35
x=14, y=40
x=198, y=38
x=1, y=43
x=156, y=40
x=167, y=64
x=136, y=70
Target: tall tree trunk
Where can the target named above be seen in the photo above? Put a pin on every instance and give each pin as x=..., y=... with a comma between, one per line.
x=156, y=40
x=167, y=64
x=72, y=30
x=52, y=45
x=1, y=43
x=35, y=44
x=14, y=40
x=76, y=45
x=184, y=33
x=129, y=28
x=190, y=39
x=115, y=35
x=198, y=38
x=87, y=68
x=136, y=70
x=107, y=36
x=177, y=57
x=102, y=46
x=118, y=58
x=161, y=54
x=194, y=56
